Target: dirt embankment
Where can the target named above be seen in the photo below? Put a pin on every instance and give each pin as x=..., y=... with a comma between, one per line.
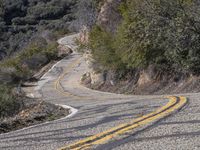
x=32, y=112
x=144, y=82
x=148, y=81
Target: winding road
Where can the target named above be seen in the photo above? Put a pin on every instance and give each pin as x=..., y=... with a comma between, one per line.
x=107, y=121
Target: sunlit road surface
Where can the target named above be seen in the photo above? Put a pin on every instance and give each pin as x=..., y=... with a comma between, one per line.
x=100, y=112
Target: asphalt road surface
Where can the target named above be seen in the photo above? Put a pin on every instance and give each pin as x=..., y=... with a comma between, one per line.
x=100, y=111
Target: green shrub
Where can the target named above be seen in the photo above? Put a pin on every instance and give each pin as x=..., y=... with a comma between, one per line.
x=101, y=44
x=61, y=32
x=8, y=104
x=160, y=33
x=138, y=40
x=20, y=62
x=51, y=51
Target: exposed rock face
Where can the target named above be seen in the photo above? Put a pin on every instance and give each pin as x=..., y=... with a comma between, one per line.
x=97, y=78
x=84, y=35
x=63, y=51
x=32, y=112
x=148, y=76
x=92, y=64
x=93, y=78
x=109, y=16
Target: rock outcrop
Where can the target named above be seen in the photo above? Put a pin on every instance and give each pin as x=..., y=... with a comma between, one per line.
x=84, y=35
x=63, y=51
x=109, y=16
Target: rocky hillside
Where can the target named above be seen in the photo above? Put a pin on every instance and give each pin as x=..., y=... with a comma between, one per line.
x=29, y=30
x=23, y=20
x=109, y=16
x=145, y=47
x=20, y=20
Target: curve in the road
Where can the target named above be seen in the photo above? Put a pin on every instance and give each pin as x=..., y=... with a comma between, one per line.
x=58, y=86
x=106, y=121
x=174, y=104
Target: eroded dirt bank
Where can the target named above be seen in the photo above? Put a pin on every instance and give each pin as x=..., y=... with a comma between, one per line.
x=32, y=112
x=142, y=82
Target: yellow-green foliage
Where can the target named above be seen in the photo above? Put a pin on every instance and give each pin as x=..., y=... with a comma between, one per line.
x=8, y=104
x=153, y=32
x=61, y=32
x=42, y=47
x=49, y=50
x=102, y=46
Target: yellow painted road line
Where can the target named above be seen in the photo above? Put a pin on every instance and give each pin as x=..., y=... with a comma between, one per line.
x=58, y=86
x=174, y=104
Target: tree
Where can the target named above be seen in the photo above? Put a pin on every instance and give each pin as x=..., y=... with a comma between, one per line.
x=101, y=44
x=163, y=33
x=86, y=13
x=160, y=33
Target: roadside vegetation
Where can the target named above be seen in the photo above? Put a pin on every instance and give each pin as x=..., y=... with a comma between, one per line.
x=22, y=20
x=30, y=60
x=164, y=34
x=8, y=103
x=29, y=30
x=28, y=33
x=20, y=68
x=16, y=109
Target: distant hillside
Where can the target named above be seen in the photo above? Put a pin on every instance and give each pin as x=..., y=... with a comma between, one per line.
x=20, y=20
x=29, y=30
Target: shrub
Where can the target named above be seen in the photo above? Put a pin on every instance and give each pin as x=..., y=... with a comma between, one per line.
x=45, y=11
x=51, y=51
x=8, y=104
x=20, y=20
x=24, y=62
x=160, y=33
x=101, y=44
x=61, y=32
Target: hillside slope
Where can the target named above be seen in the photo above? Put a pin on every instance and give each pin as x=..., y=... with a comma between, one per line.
x=21, y=21
x=146, y=47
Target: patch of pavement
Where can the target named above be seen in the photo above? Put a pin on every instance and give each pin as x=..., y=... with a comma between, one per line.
x=100, y=112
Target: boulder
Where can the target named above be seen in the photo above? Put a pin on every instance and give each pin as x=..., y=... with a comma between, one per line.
x=97, y=78
x=109, y=17
x=84, y=35
x=63, y=51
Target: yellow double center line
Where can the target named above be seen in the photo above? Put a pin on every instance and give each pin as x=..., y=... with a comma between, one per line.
x=174, y=104
x=58, y=85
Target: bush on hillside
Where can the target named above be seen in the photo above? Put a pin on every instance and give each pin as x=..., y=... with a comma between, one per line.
x=31, y=59
x=8, y=103
x=101, y=44
x=161, y=33
x=20, y=20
